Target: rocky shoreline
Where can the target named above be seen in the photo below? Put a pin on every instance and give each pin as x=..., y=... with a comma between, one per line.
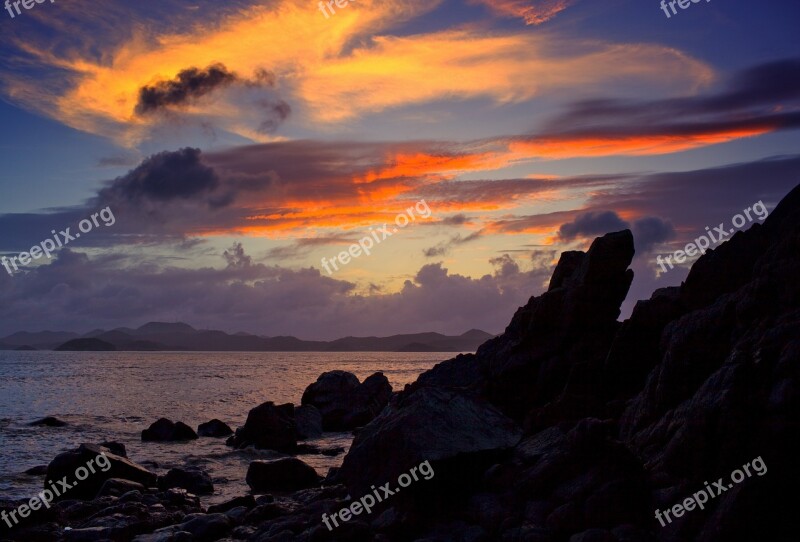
x=570, y=426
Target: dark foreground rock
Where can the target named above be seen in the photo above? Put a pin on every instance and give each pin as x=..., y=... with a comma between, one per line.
x=165, y=430
x=344, y=402
x=288, y=474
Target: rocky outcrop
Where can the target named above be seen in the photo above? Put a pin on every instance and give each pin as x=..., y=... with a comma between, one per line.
x=344, y=402
x=165, y=430
x=287, y=474
x=268, y=427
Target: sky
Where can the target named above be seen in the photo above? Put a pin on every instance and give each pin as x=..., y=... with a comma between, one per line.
x=222, y=155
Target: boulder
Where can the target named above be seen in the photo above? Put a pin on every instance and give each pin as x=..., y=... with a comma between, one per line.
x=268, y=427
x=430, y=425
x=67, y=464
x=309, y=422
x=287, y=474
x=193, y=480
x=344, y=402
x=165, y=430
x=215, y=429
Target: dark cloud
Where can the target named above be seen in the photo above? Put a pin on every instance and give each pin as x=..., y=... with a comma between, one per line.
x=764, y=97
x=651, y=231
x=591, y=224
x=189, y=85
x=444, y=247
x=164, y=177
x=276, y=113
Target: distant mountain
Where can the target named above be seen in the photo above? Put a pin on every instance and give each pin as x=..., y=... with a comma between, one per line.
x=86, y=345
x=43, y=340
x=161, y=336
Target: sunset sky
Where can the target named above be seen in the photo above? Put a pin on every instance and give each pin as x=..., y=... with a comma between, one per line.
x=238, y=143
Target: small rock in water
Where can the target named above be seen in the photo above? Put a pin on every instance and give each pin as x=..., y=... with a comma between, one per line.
x=165, y=431
x=49, y=421
x=215, y=428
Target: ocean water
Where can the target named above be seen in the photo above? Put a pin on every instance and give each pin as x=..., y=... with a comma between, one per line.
x=114, y=395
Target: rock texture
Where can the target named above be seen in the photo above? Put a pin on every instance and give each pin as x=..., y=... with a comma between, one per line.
x=268, y=426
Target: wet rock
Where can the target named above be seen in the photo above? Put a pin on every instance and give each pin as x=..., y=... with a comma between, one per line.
x=68, y=463
x=39, y=470
x=193, y=480
x=288, y=474
x=268, y=427
x=165, y=430
x=215, y=429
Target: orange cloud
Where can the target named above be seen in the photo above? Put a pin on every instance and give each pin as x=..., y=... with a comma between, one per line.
x=320, y=72
x=533, y=12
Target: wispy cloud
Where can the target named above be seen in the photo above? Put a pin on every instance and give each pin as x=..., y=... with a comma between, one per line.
x=533, y=12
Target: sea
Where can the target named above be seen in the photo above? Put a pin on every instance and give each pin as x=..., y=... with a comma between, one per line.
x=115, y=395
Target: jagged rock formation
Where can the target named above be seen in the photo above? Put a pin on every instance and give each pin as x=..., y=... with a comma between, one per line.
x=622, y=419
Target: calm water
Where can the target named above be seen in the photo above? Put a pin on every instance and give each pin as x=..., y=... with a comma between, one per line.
x=113, y=396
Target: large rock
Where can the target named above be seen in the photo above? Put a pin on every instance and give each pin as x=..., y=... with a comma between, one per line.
x=344, y=402
x=165, y=430
x=67, y=463
x=430, y=425
x=268, y=427
x=288, y=474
